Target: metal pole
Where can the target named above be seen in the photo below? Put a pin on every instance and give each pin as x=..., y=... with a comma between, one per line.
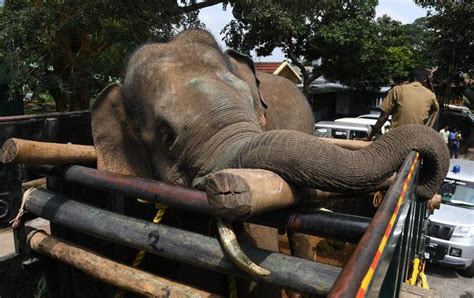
x=286, y=271
x=334, y=225
x=359, y=271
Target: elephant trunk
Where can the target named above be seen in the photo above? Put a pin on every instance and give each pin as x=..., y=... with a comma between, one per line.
x=308, y=161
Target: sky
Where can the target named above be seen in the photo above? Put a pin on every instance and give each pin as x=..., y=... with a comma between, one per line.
x=404, y=11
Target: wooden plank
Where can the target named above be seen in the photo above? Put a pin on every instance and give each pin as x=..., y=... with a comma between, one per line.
x=41, y=182
x=195, y=249
x=109, y=271
x=242, y=193
x=31, y=152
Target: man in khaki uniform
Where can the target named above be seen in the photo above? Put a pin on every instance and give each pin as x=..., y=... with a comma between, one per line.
x=411, y=103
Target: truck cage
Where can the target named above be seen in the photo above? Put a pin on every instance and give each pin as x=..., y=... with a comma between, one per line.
x=381, y=262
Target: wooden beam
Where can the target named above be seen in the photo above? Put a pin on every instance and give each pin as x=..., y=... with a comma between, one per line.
x=41, y=182
x=32, y=152
x=242, y=193
x=238, y=194
x=184, y=246
x=109, y=271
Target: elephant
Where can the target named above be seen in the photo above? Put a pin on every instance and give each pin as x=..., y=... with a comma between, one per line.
x=186, y=110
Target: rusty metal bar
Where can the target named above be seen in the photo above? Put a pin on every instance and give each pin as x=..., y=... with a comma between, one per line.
x=333, y=225
x=358, y=273
x=192, y=248
x=318, y=224
x=109, y=271
x=40, y=116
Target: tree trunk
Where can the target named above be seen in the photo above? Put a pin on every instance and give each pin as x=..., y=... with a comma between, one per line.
x=60, y=101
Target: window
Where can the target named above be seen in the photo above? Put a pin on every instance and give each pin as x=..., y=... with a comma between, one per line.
x=357, y=134
x=339, y=134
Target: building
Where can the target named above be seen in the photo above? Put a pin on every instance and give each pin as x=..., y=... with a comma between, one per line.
x=331, y=100
x=283, y=69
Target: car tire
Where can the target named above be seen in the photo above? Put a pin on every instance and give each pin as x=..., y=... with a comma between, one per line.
x=470, y=271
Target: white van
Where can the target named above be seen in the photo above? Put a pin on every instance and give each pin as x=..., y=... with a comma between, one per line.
x=365, y=121
x=341, y=130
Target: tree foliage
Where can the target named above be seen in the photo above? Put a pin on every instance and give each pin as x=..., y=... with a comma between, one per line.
x=354, y=48
x=367, y=54
x=71, y=49
x=451, y=39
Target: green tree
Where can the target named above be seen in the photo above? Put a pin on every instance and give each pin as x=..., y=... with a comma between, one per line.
x=299, y=30
x=451, y=42
x=71, y=49
x=450, y=37
x=420, y=37
x=367, y=55
x=354, y=48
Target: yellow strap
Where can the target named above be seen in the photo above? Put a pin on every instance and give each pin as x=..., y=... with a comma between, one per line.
x=423, y=280
x=157, y=219
x=414, y=275
x=232, y=287
x=141, y=254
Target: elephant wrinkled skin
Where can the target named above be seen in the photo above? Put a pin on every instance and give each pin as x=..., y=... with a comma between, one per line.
x=186, y=110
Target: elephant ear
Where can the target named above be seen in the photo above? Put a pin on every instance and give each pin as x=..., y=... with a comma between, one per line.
x=245, y=69
x=118, y=146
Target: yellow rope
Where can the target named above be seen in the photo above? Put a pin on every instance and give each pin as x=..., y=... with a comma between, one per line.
x=141, y=254
x=232, y=287
x=157, y=219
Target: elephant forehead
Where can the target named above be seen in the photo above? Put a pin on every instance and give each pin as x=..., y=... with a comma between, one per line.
x=214, y=85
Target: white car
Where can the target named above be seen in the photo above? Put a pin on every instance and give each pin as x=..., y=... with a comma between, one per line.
x=373, y=116
x=341, y=130
x=451, y=227
x=365, y=121
x=461, y=109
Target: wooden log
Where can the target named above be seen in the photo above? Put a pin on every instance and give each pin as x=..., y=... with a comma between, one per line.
x=239, y=194
x=32, y=152
x=187, y=247
x=348, y=144
x=242, y=193
x=109, y=271
x=41, y=182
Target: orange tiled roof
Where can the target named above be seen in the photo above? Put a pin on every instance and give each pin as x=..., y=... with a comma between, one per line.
x=267, y=67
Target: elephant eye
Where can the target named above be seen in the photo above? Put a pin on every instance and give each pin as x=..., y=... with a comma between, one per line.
x=166, y=138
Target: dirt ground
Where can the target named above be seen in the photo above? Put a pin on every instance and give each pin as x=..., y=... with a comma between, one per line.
x=448, y=282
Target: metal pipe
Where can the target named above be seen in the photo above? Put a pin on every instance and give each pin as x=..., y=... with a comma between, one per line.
x=40, y=116
x=338, y=226
x=109, y=271
x=196, y=249
x=357, y=275
x=173, y=196
x=333, y=225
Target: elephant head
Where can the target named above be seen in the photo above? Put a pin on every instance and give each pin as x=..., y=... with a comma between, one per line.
x=185, y=111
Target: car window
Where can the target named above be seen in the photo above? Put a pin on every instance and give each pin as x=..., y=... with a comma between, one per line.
x=457, y=194
x=358, y=134
x=323, y=132
x=339, y=134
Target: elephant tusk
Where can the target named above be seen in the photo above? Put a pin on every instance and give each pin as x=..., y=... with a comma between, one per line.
x=233, y=250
